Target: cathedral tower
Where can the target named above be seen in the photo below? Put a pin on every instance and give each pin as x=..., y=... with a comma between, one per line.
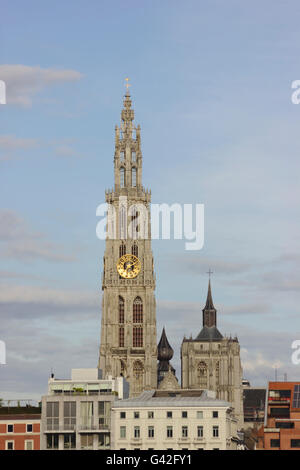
x=128, y=326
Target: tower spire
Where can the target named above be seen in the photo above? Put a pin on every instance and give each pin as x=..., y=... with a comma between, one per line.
x=128, y=154
x=209, y=311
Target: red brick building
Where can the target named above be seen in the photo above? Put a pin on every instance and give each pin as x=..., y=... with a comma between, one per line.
x=281, y=430
x=20, y=428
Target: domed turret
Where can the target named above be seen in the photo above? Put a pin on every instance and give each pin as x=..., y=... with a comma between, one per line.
x=164, y=350
x=164, y=355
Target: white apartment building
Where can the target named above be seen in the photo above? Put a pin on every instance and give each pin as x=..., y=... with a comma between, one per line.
x=76, y=413
x=181, y=419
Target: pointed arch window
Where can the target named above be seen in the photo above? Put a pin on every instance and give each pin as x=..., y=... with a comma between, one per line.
x=134, y=250
x=217, y=373
x=122, y=250
x=134, y=219
x=121, y=309
x=202, y=374
x=133, y=177
x=137, y=340
x=138, y=310
x=121, y=336
x=122, y=177
x=122, y=222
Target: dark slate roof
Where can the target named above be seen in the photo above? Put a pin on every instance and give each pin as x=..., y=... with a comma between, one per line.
x=164, y=350
x=209, y=334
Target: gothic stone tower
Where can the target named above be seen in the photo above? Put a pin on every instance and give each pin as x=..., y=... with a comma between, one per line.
x=213, y=362
x=128, y=327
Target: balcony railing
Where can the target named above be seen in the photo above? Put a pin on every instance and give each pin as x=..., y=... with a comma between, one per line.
x=63, y=428
x=93, y=427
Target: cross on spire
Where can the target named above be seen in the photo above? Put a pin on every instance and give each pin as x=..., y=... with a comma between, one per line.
x=209, y=272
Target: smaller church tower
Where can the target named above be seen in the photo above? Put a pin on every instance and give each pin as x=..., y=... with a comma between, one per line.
x=212, y=361
x=164, y=355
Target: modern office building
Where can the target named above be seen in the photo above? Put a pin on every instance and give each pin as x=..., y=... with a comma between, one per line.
x=281, y=429
x=76, y=412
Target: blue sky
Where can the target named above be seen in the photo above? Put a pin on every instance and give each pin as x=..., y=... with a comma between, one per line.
x=211, y=88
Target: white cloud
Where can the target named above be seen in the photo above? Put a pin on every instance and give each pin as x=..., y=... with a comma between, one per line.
x=19, y=242
x=24, y=294
x=23, y=81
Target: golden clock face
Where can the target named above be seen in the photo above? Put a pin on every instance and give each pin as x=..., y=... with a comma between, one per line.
x=128, y=266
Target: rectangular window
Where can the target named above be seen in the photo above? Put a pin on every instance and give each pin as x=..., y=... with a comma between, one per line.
x=199, y=414
x=215, y=431
x=28, y=445
x=10, y=428
x=86, y=413
x=151, y=432
x=296, y=396
x=295, y=443
x=275, y=442
x=279, y=395
x=136, y=432
x=52, y=441
x=122, y=156
x=104, y=408
x=52, y=413
x=133, y=156
x=200, y=431
x=150, y=414
x=279, y=412
x=184, y=431
x=215, y=414
x=169, y=431
x=69, y=415
x=169, y=414
x=104, y=440
x=137, y=337
x=9, y=445
x=122, y=432
x=70, y=441
x=136, y=415
x=29, y=428
x=184, y=414
x=122, y=415
x=285, y=424
x=86, y=441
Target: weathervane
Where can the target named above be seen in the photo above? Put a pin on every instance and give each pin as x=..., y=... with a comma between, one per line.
x=127, y=84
